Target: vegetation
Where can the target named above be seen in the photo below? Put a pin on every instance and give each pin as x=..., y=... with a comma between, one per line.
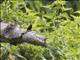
x=59, y=20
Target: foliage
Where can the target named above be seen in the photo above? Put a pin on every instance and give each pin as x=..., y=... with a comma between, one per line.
x=58, y=20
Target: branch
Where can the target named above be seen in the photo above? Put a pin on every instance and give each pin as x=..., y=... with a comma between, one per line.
x=12, y=33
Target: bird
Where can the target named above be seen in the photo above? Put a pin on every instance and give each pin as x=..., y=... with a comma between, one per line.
x=29, y=27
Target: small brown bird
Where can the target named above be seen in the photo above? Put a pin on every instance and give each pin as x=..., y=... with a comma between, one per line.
x=29, y=27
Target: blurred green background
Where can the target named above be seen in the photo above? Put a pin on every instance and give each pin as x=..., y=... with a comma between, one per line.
x=59, y=20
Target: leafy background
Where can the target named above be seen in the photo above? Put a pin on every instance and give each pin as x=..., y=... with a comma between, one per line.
x=59, y=20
